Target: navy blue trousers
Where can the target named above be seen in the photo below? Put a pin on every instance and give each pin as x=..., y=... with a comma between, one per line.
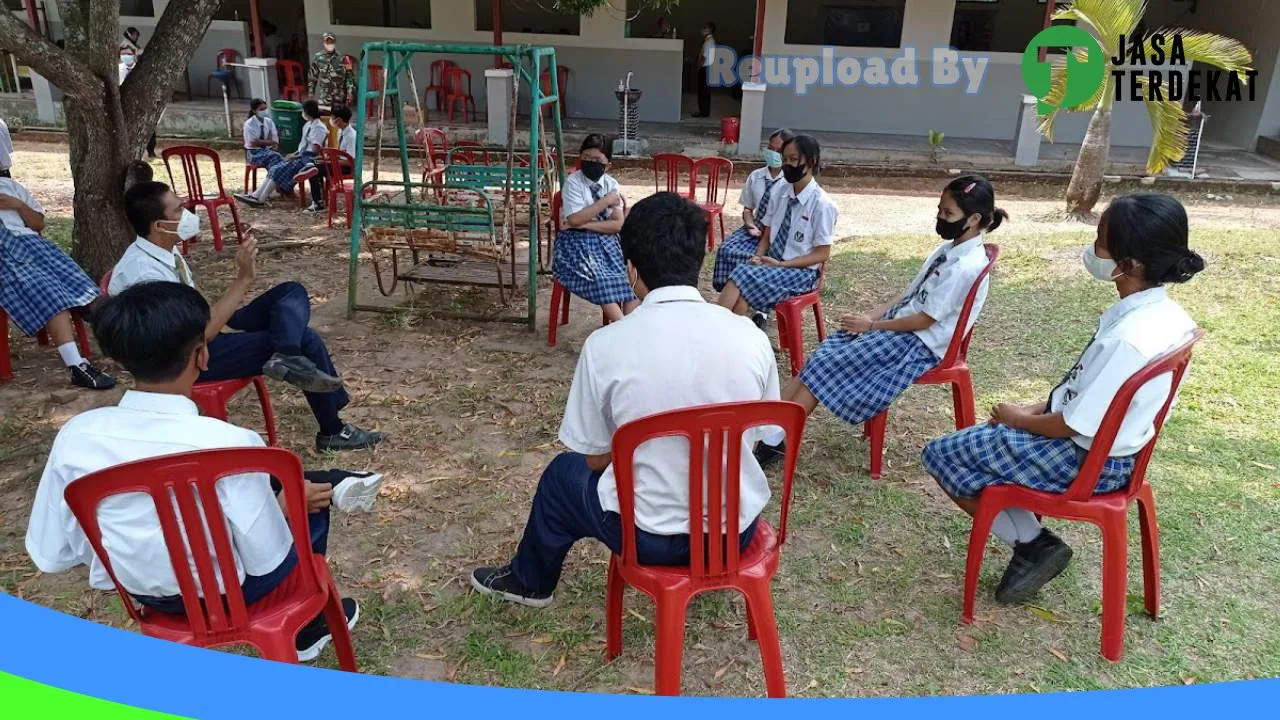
x=566, y=509
x=256, y=587
x=277, y=321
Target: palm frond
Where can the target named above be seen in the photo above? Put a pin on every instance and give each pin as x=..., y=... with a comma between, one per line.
x=1058, y=90
x=1169, y=131
x=1109, y=19
x=1216, y=50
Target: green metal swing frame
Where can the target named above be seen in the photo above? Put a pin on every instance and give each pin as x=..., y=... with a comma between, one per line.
x=396, y=57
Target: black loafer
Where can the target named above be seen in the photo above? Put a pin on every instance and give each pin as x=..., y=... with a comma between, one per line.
x=87, y=376
x=1032, y=566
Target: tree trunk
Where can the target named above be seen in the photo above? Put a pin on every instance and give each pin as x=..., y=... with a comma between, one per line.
x=1086, y=178
x=99, y=158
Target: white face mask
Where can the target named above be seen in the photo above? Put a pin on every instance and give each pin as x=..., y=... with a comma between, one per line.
x=127, y=60
x=1103, y=269
x=188, y=226
x=330, y=48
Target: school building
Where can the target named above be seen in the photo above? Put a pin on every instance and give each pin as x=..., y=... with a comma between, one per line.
x=620, y=38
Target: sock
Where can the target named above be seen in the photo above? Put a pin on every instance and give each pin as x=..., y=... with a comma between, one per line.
x=1016, y=525
x=774, y=436
x=332, y=427
x=70, y=354
x=264, y=191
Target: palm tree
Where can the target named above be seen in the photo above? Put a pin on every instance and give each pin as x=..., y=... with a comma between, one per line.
x=1108, y=20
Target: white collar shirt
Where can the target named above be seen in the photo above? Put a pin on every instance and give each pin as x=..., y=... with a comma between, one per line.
x=146, y=425
x=6, y=146
x=813, y=219
x=11, y=218
x=759, y=183
x=576, y=194
x=256, y=129
x=951, y=271
x=144, y=261
x=1131, y=333
x=674, y=351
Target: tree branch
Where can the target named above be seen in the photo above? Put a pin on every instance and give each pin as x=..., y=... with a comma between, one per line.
x=53, y=63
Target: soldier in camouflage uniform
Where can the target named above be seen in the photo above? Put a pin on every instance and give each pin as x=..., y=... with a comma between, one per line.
x=332, y=80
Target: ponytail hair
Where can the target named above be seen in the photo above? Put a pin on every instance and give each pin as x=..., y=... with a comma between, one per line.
x=1152, y=228
x=975, y=195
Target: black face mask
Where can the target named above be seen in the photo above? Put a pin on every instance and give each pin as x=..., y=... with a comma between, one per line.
x=793, y=173
x=592, y=169
x=951, y=230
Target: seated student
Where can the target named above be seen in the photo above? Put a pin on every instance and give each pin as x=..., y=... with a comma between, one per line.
x=756, y=193
x=39, y=284
x=1141, y=245
x=283, y=176
x=860, y=370
x=587, y=259
x=621, y=378
x=318, y=175
x=261, y=148
x=273, y=337
x=795, y=242
x=156, y=331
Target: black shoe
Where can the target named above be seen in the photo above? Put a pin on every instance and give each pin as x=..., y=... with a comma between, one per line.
x=248, y=199
x=351, y=438
x=701, y=115
x=767, y=454
x=761, y=320
x=312, y=638
x=1033, y=564
x=87, y=376
x=501, y=583
x=301, y=373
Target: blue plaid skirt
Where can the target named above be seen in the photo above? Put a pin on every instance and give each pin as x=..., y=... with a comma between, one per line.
x=859, y=376
x=590, y=266
x=38, y=281
x=283, y=172
x=975, y=458
x=265, y=157
x=764, y=286
x=735, y=250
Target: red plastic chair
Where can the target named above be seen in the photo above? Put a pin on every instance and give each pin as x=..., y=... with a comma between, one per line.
x=42, y=337
x=222, y=73
x=337, y=184
x=190, y=156
x=671, y=166
x=435, y=146
x=562, y=81
x=213, y=397
x=719, y=174
x=457, y=90
x=953, y=369
x=1109, y=512
x=714, y=432
x=184, y=490
x=791, y=322
x=438, y=68
x=376, y=79
x=469, y=157
x=293, y=84
x=559, y=296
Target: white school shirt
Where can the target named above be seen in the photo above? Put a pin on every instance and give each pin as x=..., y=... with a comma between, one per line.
x=10, y=218
x=674, y=351
x=144, y=261
x=146, y=425
x=575, y=196
x=347, y=140
x=315, y=135
x=813, y=221
x=1131, y=333
x=941, y=296
x=252, y=131
x=6, y=146
x=708, y=51
x=753, y=190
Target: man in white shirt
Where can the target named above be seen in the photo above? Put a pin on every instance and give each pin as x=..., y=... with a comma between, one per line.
x=273, y=337
x=675, y=351
x=706, y=53
x=6, y=150
x=156, y=330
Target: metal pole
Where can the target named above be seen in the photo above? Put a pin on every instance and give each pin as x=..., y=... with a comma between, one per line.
x=1195, y=159
x=758, y=46
x=255, y=24
x=357, y=194
x=1049, y=7
x=226, y=109
x=496, y=14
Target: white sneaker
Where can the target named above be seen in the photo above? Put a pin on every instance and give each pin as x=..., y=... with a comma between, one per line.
x=357, y=491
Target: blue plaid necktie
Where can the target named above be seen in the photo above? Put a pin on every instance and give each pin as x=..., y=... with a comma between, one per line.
x=916, y=288
x=597, y=192
x=762, y=208
x=778, y=241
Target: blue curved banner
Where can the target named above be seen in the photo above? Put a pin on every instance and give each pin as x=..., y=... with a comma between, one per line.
x=96, y=661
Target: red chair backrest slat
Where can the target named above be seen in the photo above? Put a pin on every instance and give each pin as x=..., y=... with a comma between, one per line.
x=437, y=70
x=562, y=79
x=672, y=165
x=719, y=174
x=958, y=349
x=183, y=488
x=293, y=73
x=336, y=160
x=714, y=433
x=1174, y=362
x=226, y=55
x=453, y=77
x=557, y=205
x=190, y=156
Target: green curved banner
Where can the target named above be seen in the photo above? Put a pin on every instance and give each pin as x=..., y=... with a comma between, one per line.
x=21, y=699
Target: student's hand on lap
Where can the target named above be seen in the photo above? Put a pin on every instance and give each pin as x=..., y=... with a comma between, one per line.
x=856, y=324
x=765, y=260
x=753, y=231
x=319, y=495
x=1006, y=414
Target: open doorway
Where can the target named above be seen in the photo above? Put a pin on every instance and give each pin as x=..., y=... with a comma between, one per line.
x=734, y=28
x=284, y=26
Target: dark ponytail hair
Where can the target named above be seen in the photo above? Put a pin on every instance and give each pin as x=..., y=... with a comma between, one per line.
x=1152, y=229
x=810, y=152
x=311, y=109
x=975, y=195
x=253, y=105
